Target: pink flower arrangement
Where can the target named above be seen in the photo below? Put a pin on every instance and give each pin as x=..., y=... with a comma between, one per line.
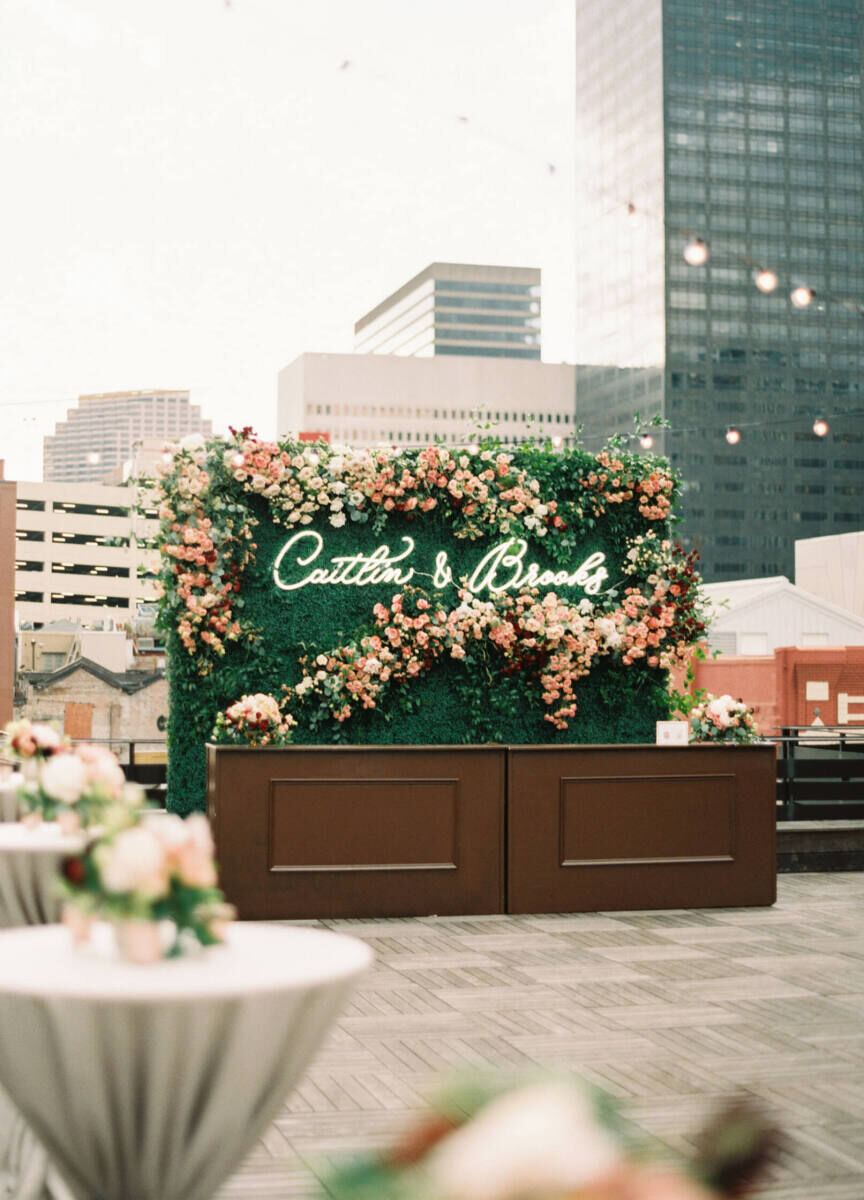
x=149, y=869
x=73, y=785
x=722, y=719
x=255, y=720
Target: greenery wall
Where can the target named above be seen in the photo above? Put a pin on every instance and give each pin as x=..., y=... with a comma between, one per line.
x=265, y=640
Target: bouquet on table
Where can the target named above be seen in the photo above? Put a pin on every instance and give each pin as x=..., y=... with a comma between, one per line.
x=255, y=720
x=152, y=876
x=722, y=719
x=57, y=781
x=552, y=1140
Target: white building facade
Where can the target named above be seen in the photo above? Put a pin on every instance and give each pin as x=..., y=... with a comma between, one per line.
x=370, y=399
x=833, y=567
x=758, y=616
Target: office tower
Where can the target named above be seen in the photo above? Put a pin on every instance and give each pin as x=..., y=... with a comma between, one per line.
x=97, y=436
x=737, y=122
x=456, y=308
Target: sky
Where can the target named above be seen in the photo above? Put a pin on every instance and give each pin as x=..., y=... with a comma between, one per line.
x=198, y=191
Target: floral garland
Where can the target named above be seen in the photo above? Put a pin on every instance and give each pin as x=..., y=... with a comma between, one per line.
x=207, y=531
x=546, y=637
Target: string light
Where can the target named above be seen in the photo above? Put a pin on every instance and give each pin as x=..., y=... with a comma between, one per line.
x=801, y=296
x=820, y=427
x=765, y=280
x=646, y=441
x=696, y=253
x=94, y=457
x=733, y=435
x=473, y=449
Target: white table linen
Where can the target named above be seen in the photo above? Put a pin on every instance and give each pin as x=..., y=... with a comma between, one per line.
x=29, y=866
x=9, y=806
x=152, y=1082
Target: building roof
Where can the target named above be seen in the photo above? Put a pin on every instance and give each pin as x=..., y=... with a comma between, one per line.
x=739, y=595
x=124, y=681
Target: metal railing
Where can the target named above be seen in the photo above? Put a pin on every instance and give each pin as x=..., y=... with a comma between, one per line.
x=149, y=767
x=820, y=772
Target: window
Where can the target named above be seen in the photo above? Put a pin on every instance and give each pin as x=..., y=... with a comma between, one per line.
x=29, y=597
x=30, y=505
x=88, y=539
x=29, y=535
x=90, y=510
x=67, y=568
x=81, y=598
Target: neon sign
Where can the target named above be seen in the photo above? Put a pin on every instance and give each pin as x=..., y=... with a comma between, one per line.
x=502, y=569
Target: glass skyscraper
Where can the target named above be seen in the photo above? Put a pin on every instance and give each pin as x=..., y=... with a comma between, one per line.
x=738, y=122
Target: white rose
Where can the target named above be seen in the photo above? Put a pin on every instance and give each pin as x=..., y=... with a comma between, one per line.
x=337, y=520
x=167, y=827
x=135, y=862
x=539, y=1140
x=192, y=441
x=45, y=737
x=64, y=778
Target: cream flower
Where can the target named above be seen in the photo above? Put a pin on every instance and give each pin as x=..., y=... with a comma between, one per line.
x=64, y=778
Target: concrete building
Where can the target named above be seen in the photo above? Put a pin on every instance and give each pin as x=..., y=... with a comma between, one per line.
x=369, y=399
x=87, y=700
x=758, y=616
x=97, y=436
x=82, y=554
x=833, y=568
x=457, y=308
x=742, y=125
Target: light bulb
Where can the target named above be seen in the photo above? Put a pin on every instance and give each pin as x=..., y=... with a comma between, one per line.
x=820, y=427
x=801, y=296
x=733, y=435
x=557, y=442
x=765, y=280
x=696, y=253
x=94, y=457
x=646, y=441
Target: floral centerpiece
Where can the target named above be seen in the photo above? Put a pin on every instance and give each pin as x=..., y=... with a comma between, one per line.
x=723, y=719
x=552, y=1140
x=72, y=785
x=255, y=720
x=27, y=741
x=153, y=876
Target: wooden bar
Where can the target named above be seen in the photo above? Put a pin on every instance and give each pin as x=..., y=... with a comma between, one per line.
x=593, y=828
x=359, y=831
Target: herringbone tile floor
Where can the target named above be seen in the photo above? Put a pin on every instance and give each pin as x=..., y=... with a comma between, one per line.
x=669, y=1011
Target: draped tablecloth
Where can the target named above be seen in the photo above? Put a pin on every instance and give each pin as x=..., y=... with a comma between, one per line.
x=152, y=1082
x=29, y=866
x=9, y=807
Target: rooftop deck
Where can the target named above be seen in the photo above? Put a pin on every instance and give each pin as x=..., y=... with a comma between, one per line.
x=669, y=1011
